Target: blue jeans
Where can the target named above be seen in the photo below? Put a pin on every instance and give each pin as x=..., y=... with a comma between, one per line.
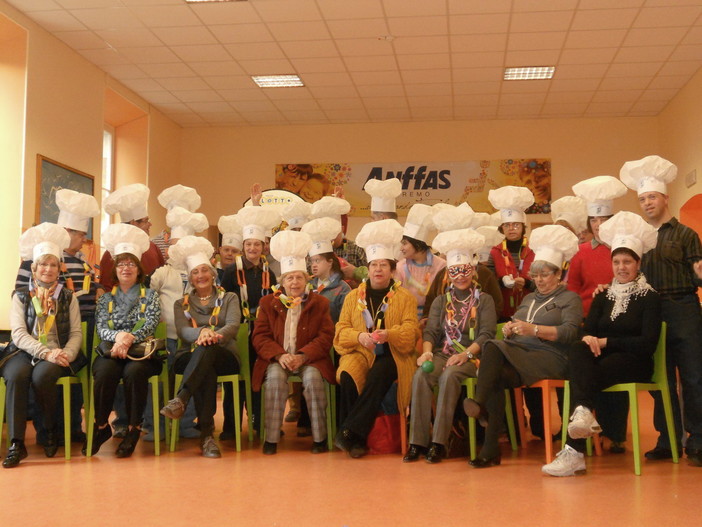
x=683, y=316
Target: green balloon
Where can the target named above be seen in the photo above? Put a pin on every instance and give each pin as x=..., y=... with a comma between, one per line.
x=428, y=366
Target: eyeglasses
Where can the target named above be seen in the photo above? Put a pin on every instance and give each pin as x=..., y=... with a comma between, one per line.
x=511, y=226
x=122, y=265
x=544, y=275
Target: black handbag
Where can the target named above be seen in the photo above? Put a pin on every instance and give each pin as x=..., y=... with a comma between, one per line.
x=151, y=348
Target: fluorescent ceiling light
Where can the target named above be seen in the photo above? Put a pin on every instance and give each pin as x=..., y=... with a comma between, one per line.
x=529, y=73
x=277, y=81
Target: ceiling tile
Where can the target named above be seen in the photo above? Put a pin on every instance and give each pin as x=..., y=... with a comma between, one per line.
x=370, y=63
x=286, y=11
x=128, y=71
x=81, y=39
x=309, y=30
x=166, y=16
x=476, y=43
x=213, y=52
x=431, y=113
x=159, y=96
x=653, y=37
x=229, y=82
x=407, y=45
x=603, y=38
x=580, y=71
x=226, y=67
x=150, y=55
x=477, y=99
x=644, y=54
x=543, y=5
x=253, y=106
x=423, y=62
x=342, y=103
x=520, y=111
x=560, y=109
x=180, y=36
x=130, y=37
x=411, y=77
x=169, y=69
x=649, y=106
x=229, y=13
x=667, y=16
x=305, y=115
x=531, y=99
x=608, y=107
x=533, y=86
x=272, y=117
x=356, y=29
x=458, y=7
x=680, y=68
x=250, y=94
x=267, y=67
x=605, y=4
x=640, y=69
x=184, y=84
x=574, y=84
x=142, y=84
x=547, y=57
x=538, y=22
x=478, y=60
x=335, y=10
x=536, y=41
x=389, y=114
x=377, y=103
x=381, y=90
x=233, y=33
x=293, y=104
x=587, y=56
x=604, y=19
x=475, y=87
x=616, y=96
x=693, y=52
x=230, y=118
x=34, y=5
x=358, y=47
x=326, y=79
x=658, y=95
x=569, y=97
x=420, y=90
x=694, y=36
x=197, y=105
x=321, y=65
x=170, y=108
x=103, y=57
x=475, y=112
x=477, y=74
x=255, y=50
x=277, y=94
x=310, y=49
x=413, y=8
x=668, y=82
x=331, y=92
x=107, y=18
x=351, y=115
x=418, y=26
x=57, y=21
x=478, y=24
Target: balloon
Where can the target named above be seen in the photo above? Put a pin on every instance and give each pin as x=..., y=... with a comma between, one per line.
x=428, y=366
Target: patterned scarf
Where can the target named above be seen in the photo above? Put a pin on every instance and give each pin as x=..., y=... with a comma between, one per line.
x=622, y=293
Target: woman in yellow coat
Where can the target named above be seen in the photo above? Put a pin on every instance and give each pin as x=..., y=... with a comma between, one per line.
x=375, y=336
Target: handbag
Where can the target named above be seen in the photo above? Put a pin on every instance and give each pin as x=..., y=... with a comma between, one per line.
x=151, y=348
x=9, y=351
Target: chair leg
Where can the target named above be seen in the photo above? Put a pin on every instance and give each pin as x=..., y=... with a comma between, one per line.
x=330, y=416
x=510, y=421
x=153, y=381
x=249, y=407
x=175, y=423
x=237, y=413
x=90, y=420
x=566, y=415
x=668, y=410
x=519, y=402
x=166, y=391
x=2, y=406
x=66, y=386
x=634, y=405
x=403, y=431
x=546, y=406
x=472, y=440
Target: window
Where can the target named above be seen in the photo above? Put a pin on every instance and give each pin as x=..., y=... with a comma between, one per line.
x=108, y=163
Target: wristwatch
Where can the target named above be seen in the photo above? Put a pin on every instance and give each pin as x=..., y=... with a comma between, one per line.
x=536, y=330
x=469, y=355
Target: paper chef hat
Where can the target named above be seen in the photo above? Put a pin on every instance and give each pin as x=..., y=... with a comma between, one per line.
x=76, y=209
x=180, y=196
x=572, y=210
x=296, y=214
x=380, y=239
x=650, y=174
x=120, y=238
x=599, y=193
x=290, y=248
x=330, y=207
x=383, y=194
x=257, y=222
x=492, y=237
x=322, y=232
x=185, y=223
x=45, y=238
x=512, y=202
x=230, y=228
x=629, y=230
x=190, y=252
x=420, y=224
x=130, y=201
x=553, y=244
x=460, y=246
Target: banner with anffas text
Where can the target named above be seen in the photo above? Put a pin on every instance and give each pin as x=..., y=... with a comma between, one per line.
x=422, y=182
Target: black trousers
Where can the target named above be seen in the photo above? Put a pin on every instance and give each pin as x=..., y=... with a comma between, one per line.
x=359, y=410
x=589, y=375
x=19, y=374
x=200, y=370
x=107, y=373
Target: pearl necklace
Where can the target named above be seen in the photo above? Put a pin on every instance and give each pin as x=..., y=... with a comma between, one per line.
x=204, y=298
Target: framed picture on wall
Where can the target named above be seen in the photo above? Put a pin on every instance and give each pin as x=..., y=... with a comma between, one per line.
x=53, y=176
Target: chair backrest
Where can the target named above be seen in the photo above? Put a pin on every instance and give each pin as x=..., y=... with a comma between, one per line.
x=659, y=368
x=161, y=331
x=499, y=335
x=84, y=343
x=242, y=346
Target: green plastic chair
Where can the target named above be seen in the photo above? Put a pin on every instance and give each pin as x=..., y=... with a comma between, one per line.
x=244, y=375
x=470, y=383
x=659, y=382
x=154, y=382
x=81, y=377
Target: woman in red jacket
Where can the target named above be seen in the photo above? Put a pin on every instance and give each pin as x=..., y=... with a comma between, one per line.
x=293, y=336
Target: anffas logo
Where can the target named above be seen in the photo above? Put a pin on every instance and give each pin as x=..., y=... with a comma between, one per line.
x=421, y=179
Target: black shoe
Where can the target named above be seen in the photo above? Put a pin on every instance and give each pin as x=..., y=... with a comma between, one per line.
x=16, y=453
x=694, y=456
x=414, y=453
x=319, y=447
x=473, y=409
x=659, y=453
x=129, y=443
x=617, y=447
x=269, y=448
x=358, y=450
x=77, y=436
x=436, y=453
x=344, y=440
x=51, y=444
x=121, y=431
x=226, y=435
x=479, y=462
x=100, y=435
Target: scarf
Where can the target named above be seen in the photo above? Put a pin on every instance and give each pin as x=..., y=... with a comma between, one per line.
x=44, y=293
x=621, y=294
x=463, y=305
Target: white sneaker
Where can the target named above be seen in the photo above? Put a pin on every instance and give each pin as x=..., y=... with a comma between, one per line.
x=583, y=424
x=568, y=462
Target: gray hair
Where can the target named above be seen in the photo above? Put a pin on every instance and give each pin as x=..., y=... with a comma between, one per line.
x=538, y=266
x=43, y=258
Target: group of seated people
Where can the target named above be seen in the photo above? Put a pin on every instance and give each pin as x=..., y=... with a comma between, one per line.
x=416, y=326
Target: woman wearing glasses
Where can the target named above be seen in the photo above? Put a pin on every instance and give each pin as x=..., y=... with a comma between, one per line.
x=537, y=339
x=126, y=316
x=459, y=323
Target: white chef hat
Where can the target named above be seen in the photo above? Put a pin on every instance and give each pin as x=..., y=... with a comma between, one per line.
x=380, y=239
x=290, y=248
x=383, y=193
x=330, y=207
x=130, y=201
x=257, y=222
x=180, y=196
x=496, y=219
x=492, y=236
x=322, y=231
x=453, y=218
x=296, y=213
x=460, y=246
x=512, y=202
x=420, y=224
x=120, y=238
x=481, y=219
x=626, y=229
x=599, y=193
x=45, y=238
x=185, y=223
x=230, y=228
x=189, y=252
x=553, y=244
x=76, y=209
x=650, y=174
x=571, y=209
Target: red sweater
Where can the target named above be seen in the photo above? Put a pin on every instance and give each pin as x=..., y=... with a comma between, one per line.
x=151, y=260
x=589, y=268
x=505, y=265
